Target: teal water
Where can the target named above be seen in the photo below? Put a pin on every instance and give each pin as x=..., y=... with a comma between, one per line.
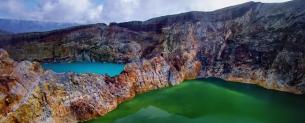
x=210, y=101
x=81, y=67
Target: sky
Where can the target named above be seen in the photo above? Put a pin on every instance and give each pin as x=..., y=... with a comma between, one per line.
x=106, y=11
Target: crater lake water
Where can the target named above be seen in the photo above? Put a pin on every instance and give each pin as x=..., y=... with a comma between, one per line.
x=110, y=69
x=210, y=101
x=197, y=101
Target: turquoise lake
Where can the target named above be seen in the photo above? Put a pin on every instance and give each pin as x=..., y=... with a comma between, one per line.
x=110, y=69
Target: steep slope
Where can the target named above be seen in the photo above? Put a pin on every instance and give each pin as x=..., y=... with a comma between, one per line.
x=255, y=43
x=252, y=42
x=30, y=94
x=23, y=26
x=96, y=42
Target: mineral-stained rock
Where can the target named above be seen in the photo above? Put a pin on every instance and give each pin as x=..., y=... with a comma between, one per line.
x=30, y=94
x=254, y=43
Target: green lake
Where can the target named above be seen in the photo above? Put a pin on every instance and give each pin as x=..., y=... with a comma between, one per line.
x=197, y=101
x=210, y=101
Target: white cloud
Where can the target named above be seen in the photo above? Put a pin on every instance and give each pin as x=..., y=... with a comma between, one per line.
x=126, y=10
x=13, y=8
x=83, y=11
x=86, y=11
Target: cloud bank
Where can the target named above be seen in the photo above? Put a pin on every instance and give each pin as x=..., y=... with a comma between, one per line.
x=93, y=11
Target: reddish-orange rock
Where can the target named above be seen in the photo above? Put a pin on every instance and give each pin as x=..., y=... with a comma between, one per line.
x=253, y=42
x=29, y=94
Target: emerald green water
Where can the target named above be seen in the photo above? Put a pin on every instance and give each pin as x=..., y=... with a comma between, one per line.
x=86, y=67
x=210, y=101
x=197, y=101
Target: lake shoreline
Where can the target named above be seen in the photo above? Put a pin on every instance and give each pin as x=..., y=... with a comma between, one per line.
x=244, y=91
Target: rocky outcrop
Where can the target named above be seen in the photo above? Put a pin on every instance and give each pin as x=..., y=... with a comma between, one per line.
x=91, y=43
x=30, y=94
x=255, y=43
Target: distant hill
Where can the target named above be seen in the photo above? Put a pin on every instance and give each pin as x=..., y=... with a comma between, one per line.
x=22, y=26
x=3, y=32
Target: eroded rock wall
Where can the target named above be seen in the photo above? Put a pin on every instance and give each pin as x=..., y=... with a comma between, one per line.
x=259, y=43
x=254, y=43
x=30, y=94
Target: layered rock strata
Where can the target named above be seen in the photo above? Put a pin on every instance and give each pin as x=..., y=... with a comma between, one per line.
x=255, y=43
x=30, y=94
x=260, y=43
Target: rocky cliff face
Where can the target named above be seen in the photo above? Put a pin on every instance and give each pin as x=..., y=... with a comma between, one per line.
x=30, y=94
x=86, y=43
x=255, y=43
